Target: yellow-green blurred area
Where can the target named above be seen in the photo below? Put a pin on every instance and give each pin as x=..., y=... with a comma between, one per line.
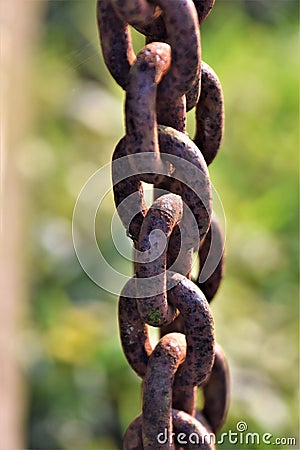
x=82, y=394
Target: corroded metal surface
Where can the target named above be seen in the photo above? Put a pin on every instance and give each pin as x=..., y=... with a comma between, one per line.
x=192, y=433
x=216, y=392
x=164, y=214
x=209, y=114
x=191, y=428
x=157, y=389
x=191, y=183
x=179, y=21
x=155, y=29
x=162, y=82
x=199, y=332
x=211, y=255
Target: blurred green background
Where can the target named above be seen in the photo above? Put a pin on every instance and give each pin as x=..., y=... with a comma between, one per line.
x=82, y=394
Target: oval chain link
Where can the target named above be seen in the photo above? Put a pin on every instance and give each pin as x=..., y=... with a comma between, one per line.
x=162, y=82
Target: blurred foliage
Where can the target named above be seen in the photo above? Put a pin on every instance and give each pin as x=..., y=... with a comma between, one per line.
x=81, y=392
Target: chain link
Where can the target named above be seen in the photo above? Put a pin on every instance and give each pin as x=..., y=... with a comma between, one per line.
x=162, y=82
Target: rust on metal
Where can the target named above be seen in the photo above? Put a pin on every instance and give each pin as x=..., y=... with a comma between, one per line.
x=195, y=187
x=156, y=29
x=192, y=434
x=180, y=21
x=211, y=256
x=128, y=192
x=196, y=434
x=203, y=8
x=193, y=94
x=209, y=114
x=157, y=389
x=216, y=392
x=133, y=439
x=166, y=79
x=196, y=313
x=181, y=24
x=136, y=12
x=194, y=175
x=199, y=331
x=115, y=42
x=134, y=335
x=141, y=124
x=164, y=214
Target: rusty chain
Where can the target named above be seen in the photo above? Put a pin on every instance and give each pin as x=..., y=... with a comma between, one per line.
x=165, y=80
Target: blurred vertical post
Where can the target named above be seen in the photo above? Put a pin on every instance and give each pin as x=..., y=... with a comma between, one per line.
x=18, y=21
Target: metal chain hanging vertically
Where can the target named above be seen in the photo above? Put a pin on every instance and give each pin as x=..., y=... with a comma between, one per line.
x=166, y=79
